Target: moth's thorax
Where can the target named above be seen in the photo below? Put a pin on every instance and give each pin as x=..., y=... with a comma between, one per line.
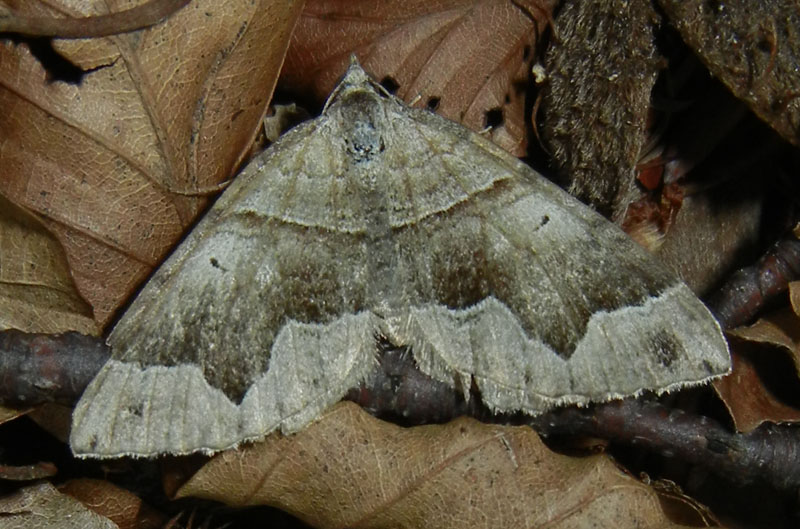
x=361, y=115
x=364, y=129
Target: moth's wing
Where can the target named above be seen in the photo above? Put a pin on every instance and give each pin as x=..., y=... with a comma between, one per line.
x=491, y=274
x=541, y=301
x=254, y=323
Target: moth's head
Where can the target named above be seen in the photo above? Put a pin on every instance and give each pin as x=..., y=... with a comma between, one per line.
x=358, y=104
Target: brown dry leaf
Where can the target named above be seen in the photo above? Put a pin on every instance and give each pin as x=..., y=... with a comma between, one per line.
x=781, y=327
x=467, y=59
x=749, y=402
x=706, y=239
x=752, y=47
x=55, y=419
x=43, y=507
x=794, y=300
x=680, y=507
x=37, y=293
x=746, y=391
x=116, y=165
x=352, y=470
x=9, y=414
x=118, y=505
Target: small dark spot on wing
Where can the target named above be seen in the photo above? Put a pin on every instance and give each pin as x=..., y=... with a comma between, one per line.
x=666, y=347
x=708, y=367
x=216, y=264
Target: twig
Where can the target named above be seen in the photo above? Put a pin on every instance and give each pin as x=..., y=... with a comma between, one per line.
x=42, y=368
x=39, y=368
x=749, y=289
x=397, y=390
x=769, y=454
x=41, y=470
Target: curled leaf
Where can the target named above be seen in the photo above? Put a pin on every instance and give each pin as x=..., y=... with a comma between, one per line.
x=116, y=162
x=753, y=392
x=118, y=505
x=352, y=470
x=37, y=293
x=43, y=507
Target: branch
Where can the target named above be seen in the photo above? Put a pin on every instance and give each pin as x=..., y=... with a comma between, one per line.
x=39, y=368
x=752, y=287
x=43, y=368
x=770, y=454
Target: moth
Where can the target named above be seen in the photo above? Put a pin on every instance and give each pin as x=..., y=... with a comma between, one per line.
x=379, y=220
